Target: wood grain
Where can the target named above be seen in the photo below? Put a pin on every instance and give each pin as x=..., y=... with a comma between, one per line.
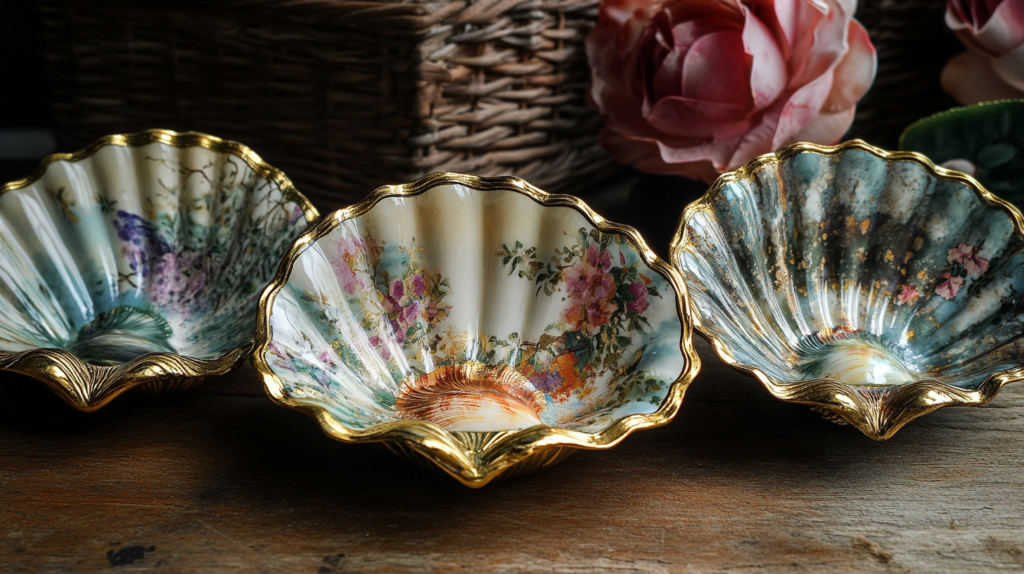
x=223, y=479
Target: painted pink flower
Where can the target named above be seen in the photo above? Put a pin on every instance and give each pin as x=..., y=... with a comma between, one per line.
x=326, y=359
x=392, y=300
x=598, y=258
x=967, y=256
x=639, y=292
x=410, y=313
x=599, y=313
x=993, y=66
x=351, y=269
x=435, y=311
x=576, y=282
x=350, y=282
x=908, y=294
x=948, y=288
x=698, y=87
x=385, y=351
x=416, y=284
x=588, y=278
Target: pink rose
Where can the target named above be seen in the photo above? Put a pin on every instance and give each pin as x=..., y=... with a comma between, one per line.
x=993, y=66
x=698, y=87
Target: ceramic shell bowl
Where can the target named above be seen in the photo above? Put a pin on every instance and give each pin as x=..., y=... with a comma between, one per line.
x=139, y=261
x=478, y=324
x=870, y=284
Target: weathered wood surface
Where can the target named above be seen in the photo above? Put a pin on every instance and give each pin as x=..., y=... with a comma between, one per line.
x=222, y=479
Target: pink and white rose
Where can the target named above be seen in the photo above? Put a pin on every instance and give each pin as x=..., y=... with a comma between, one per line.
x=993, y=66
x=698, y=87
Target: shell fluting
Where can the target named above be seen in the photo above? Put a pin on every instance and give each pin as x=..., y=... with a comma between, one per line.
x=472, y=397
x=856, y=358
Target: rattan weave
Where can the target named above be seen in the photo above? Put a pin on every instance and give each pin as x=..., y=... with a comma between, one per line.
x=341, y=95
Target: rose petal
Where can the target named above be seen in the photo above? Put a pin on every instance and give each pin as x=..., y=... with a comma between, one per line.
x=715, y=69
x=994, y=34
x=667, y=81
x=801, y=108
x=826, y=128
x=830, y=43
x=646, y=156
x=687, y=118
x=1010, y=67
x=969, y=78
x=768, y=76
x=793, y=16
x=723, y=11
x=855, y=72
x=718, y=152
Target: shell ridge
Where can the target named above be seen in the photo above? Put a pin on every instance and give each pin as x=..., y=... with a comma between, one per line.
x=19, y=277
x=752, y=315
x=784, y=312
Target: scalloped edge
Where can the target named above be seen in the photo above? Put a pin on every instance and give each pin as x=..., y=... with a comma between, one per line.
x=471, y=466
x=89, y=387
x=878, y=412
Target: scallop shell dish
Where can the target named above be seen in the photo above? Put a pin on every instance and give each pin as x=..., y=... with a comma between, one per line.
x=479, y=311
x=145, y=254
x=871, y=284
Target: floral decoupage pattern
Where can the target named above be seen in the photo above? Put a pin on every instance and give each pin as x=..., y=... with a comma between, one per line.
x=852, y=261
x=376, y=329
x=167, y=254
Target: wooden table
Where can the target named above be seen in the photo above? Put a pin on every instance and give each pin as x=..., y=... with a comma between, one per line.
x=222, y=479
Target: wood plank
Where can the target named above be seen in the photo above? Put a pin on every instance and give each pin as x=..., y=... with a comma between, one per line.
x=223, y=479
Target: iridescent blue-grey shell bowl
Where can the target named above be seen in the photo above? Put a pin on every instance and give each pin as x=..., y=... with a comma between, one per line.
x=871, y=285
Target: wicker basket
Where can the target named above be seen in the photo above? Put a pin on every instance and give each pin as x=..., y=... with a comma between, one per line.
x=913, y=45
x=342, y=95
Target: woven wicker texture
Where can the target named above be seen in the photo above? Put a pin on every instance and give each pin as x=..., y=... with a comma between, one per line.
x=913, y=45
x=343, y=96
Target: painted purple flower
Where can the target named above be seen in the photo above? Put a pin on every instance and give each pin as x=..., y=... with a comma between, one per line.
x=168, y=281
x=416, y=283
x=132, y=228
x=547, y=381
x=639, y=292
x=397, y=290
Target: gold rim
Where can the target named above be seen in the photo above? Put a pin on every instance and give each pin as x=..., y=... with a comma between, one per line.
x=476, y=466
x=877, y=411
x=89, y=387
